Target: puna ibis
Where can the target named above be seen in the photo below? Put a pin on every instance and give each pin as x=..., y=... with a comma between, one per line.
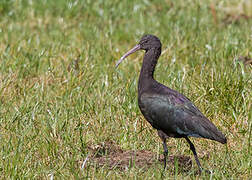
x=172, y=114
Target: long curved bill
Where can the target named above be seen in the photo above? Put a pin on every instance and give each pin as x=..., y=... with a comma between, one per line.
x=134, y=49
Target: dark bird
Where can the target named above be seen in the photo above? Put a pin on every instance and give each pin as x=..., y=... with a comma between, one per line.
x=168, y=111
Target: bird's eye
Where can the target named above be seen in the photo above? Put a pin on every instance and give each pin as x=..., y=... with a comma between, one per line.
x=144, y=41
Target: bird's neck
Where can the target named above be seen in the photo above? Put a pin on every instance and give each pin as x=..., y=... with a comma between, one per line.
x=149, y=63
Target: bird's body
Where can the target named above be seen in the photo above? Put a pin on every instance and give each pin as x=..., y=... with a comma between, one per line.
x=175, y=115
x=168, y=111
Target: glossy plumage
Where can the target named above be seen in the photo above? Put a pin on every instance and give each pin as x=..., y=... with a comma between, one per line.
x=168, y=111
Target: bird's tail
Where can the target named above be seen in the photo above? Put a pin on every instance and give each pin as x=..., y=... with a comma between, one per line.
x=215, y=134
x=210, y=131
x=220, y=138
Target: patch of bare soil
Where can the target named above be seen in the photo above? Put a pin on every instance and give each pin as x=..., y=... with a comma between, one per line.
x=109, y=154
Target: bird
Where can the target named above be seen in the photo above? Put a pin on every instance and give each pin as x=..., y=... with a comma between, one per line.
x=171, y=113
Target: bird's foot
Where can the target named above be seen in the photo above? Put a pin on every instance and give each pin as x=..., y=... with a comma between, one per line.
x=164, y=164
x=207, y=171
x=200, y=171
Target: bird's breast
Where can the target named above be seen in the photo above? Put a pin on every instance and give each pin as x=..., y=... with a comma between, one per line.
x=156, y=112
x=145, y=111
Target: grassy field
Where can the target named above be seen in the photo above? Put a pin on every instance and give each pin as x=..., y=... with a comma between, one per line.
x=60, y=93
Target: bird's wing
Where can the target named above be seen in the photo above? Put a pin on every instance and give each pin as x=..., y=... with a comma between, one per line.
x=177, y=115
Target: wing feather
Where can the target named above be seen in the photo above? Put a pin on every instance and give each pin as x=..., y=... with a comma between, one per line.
x=177, y=116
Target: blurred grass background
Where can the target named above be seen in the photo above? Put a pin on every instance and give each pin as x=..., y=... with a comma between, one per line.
x=59, y=90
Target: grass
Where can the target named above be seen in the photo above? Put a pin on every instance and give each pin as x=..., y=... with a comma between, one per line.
x=50, y=110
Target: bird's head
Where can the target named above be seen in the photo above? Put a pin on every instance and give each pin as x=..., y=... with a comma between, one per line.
x=149, y=41
x=146, y=43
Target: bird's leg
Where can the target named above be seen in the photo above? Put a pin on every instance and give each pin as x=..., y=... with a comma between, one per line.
x=194, y=153
x=163, y=136
x=165, y=152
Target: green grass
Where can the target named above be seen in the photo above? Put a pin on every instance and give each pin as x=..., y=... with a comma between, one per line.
x=48, y=115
